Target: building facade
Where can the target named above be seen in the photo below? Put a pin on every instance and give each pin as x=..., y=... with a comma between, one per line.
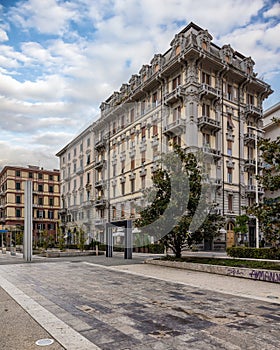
x=272, y=131
x=203, y=97
x=46, y=199
x=77, y=185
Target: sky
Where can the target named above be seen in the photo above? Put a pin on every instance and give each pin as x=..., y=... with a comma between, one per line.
x=60, y=59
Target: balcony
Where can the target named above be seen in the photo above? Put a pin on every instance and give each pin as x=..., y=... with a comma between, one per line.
x=99, y=183
x=251, y=189
x=175, y=128
x=216, y=154
x=174, y=95
x=99, y=164
x=251, y=110
x=99, y=222
x=210, y=124
x=99, y=144
x=87, y=203
x=154, y=168
x=250, y=164
x=100, y=203
x=155, y=141
x=249, y=138
x=79, y=170
x=209, y=92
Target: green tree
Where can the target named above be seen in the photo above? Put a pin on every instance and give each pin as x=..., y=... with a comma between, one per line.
x=268, y=211
x=61, y=239
x=179, y=214
x=81, y=239
x=241, y=225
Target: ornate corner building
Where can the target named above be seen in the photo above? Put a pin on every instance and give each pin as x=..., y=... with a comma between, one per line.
x=46, y=199
x=198, y=95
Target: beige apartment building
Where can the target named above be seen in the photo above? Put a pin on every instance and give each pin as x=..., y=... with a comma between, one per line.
x=199, y=95
x=46, y=199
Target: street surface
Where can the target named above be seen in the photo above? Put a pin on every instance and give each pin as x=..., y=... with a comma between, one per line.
x=112, y=303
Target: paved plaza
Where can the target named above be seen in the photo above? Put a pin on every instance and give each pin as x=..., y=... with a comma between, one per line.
x=84, y=304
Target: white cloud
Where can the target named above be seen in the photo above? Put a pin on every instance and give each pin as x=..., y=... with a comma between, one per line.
x=3, y=35
x=273, y=12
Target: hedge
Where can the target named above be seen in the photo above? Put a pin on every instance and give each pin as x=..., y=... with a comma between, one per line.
x=255, y=253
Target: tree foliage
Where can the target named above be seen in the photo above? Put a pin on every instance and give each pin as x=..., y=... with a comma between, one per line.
x=179, y=195
x=268, y=211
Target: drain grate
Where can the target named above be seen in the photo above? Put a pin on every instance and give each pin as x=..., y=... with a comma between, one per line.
x=44, y=342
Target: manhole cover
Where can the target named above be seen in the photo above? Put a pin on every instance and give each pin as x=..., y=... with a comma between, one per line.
x=44, y=342
x=272, y=297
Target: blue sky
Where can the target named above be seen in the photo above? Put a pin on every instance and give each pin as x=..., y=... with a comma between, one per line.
x=60, y=59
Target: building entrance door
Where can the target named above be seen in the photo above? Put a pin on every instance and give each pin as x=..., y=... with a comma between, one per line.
x=230, y=235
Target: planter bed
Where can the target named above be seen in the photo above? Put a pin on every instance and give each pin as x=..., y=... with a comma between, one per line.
x=243, y=272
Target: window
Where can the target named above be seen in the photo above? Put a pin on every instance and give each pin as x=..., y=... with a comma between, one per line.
x=132, y=115
x=229, y=148
x=176, y=113
x=123, y=188
x=206, y=140
x=30, y=175
x=17, y=185
x=122, y=210
x=229, y=92
x=75, y=184
x=40, y=188
x=81, y=147
x=75, y=152
x=143, y=182
x=132, y=185
x=88, y=178
x=114, y=169
x=81, y=181
x=143, y=157
x=155, y=130
x=230, y=202
x=114, y=191
x=18, y=199
x=122, y=166
x=51, y=201
x=50, y=214
x=206, y=79
x=69, y=156
x=88, y=159
x=230, y=124
x=176, y=82
x=132, y=164
x=155, y=99
x=51, y=189
x=18, y=212
x=88, y=142
x=229, y=173
x=205, y=110
x=114, y=212
x=114, y=128
x=74, y=167
x=40, y=176
x=40, y=201
x=250, y=99
x=122, y=121
x=40, y=214
x=143, y=132
x=88, y=196
x=17, y=173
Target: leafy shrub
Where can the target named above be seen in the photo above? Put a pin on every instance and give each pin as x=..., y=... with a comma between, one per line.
x=254, y=253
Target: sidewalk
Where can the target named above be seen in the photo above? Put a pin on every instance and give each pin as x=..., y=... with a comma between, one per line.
x=18, y=330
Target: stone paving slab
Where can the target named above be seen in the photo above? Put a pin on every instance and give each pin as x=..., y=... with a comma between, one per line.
x=117, y=310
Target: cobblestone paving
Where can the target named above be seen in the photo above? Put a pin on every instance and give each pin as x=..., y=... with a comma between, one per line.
x=116, y=310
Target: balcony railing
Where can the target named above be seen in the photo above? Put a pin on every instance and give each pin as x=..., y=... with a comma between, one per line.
x=209, y=91
x=175, y=127
x=209, y=124
x=174, y=95
x=99, y=222
x=252, y=189
x=100, y=203
x=100, y=144
x=99, y=183
x=211, y=151
x=251, y=110
x=99, y=164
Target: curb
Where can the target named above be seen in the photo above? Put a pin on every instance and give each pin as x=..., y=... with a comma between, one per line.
x=272, y=276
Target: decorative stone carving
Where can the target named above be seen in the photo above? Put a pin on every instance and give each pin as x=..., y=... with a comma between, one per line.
x=247, y=65
x=204, y=40
x=226, y=54
x=178, y=44
x=157, y=62
x=134, y=81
